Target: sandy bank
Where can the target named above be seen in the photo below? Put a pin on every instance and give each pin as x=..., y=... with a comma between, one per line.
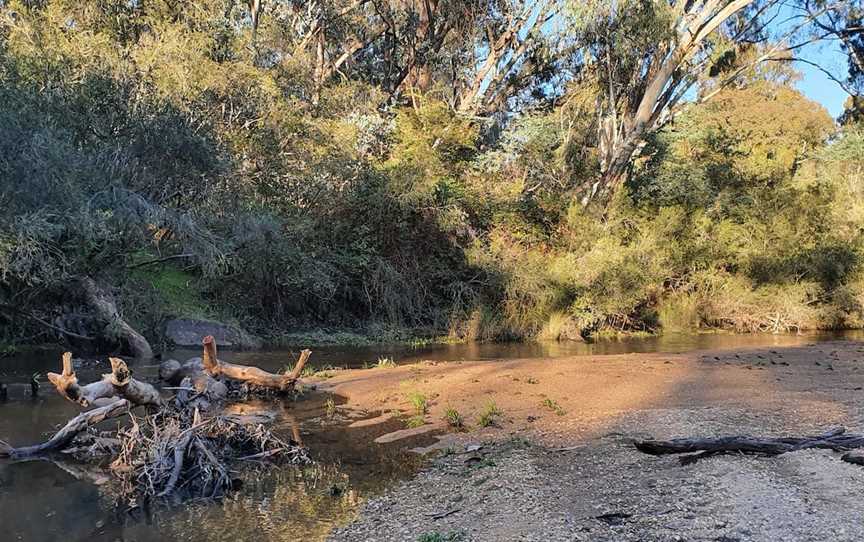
x=600, y=488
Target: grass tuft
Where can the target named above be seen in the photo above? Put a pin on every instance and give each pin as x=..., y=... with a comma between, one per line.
x=553, y=405
x=489, y=415
x=419, y=402
x=454, y=419
x=435, y=536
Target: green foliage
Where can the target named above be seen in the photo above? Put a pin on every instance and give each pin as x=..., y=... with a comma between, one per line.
x=419, y=402
x=454, y=419
x=489, y=416
x=179, y=291
x=553, y=405
x=415, y=421
x=139, y=131
x=330, y=407
x=449, y=536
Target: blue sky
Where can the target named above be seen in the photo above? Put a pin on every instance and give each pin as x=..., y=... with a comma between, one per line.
x=816, y=85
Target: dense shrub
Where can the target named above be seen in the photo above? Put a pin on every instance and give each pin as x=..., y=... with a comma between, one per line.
x=158, y=151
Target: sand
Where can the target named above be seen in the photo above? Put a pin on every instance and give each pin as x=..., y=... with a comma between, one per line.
x=559, y=463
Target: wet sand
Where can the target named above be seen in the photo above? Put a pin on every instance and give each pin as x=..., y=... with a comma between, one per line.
x=567, y=470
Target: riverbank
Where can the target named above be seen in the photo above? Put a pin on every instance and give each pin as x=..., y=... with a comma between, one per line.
x=558, y=461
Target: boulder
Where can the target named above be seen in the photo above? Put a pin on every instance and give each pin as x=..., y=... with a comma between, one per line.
x=190, y=332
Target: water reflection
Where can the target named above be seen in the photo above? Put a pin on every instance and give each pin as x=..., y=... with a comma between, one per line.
x=39, y=500
x=357, y=356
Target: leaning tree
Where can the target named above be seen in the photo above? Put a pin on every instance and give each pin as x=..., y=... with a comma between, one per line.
x=650, y=59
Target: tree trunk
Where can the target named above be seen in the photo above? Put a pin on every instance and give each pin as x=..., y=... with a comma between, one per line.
x=692, y=24
x=106, y=309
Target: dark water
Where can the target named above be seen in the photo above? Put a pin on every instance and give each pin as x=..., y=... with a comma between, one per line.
x=42, y=500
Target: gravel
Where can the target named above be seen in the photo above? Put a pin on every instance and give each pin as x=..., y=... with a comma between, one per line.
x=603, y=489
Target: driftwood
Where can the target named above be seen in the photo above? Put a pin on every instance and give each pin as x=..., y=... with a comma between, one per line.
x=835, y=439
x=105, y=308
x=118, y=384
x=64, y=437
x=178, y=452
x=174, y=450
x=248, y=374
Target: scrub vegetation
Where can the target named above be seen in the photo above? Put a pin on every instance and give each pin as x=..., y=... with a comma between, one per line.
x=209, y=162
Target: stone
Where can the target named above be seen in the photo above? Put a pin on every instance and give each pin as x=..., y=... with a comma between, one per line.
x=189, y=332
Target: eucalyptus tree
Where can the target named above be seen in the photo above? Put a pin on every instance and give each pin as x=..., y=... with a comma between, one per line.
x=474, y=54
x=649, y=57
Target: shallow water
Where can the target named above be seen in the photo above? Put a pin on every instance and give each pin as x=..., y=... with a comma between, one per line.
x=354, y=357
x=39, y=500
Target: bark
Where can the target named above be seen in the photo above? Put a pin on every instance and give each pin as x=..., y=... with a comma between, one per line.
x=106, y=309
x=118, y=384
x=693, y=24
x=250, y=375
x=835, y=439
x=505, y=53
x=64, y=437
x=255, y=13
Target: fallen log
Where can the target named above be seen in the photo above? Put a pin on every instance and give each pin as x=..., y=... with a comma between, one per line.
x=64, y=437
x=248, y=374
x=118, y=384
x=835, y=439
x=105, y=308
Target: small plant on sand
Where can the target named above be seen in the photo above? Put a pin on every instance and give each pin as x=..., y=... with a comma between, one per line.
x=553, y=405
x=532, y=380
x=435, y=536
x=330, y=407
x=489, y=415
x=310, y=371
x=454, y=419
x=419, y=402
x=385, y=363
x=415, y=421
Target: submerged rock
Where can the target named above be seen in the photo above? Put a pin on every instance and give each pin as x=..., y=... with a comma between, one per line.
x=190, y=332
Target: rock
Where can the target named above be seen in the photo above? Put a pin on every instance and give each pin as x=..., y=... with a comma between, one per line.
x=169, y=370
x=410, y=432
x=371, y=421
x=190, y=332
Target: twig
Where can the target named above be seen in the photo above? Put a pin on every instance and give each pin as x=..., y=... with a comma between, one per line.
x=159, y=260
x=44, y=323
x=441, y=515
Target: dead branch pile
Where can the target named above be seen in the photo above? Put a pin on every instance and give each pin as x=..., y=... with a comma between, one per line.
x=176, y=448
x=172, y=452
